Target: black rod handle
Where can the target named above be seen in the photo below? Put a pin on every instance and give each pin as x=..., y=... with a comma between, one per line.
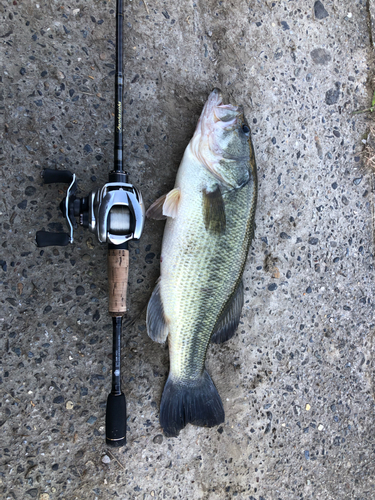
x=115, y=421
x=116, y=403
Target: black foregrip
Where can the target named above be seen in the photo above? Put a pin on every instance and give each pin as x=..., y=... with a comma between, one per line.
x=51, y=176
x=115, y=421
x=47, y=239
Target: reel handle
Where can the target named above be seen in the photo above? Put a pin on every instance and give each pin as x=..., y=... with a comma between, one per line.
x=45, y=238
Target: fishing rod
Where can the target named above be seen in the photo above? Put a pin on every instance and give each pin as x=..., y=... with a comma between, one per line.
x=115, y=213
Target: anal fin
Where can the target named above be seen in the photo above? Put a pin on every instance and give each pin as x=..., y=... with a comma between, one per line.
x=157, y=327
x=228, y=321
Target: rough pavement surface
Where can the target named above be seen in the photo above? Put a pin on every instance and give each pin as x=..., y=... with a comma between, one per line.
x=297, y=380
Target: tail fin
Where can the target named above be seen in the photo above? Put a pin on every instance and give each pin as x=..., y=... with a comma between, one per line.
x=197, y=403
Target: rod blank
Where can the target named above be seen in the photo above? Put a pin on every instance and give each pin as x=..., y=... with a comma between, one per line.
x=119, y=83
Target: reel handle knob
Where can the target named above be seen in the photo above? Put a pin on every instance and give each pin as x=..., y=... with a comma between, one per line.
x=48, y=239
x=52, y=176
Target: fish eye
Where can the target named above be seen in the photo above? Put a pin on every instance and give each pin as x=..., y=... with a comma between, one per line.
x=245, y=128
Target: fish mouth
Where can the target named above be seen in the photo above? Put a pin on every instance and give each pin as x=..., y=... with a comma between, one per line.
x=216, y=118
x=215, y=110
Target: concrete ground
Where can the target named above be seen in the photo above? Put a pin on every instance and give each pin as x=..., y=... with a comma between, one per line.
x=297, y=380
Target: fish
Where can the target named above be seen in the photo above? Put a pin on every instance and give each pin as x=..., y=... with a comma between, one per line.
x=199, y=295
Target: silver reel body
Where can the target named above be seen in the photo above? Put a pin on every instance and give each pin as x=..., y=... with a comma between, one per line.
x=116, y=213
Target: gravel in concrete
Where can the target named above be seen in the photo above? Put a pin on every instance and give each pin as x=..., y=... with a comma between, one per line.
x=297, y=380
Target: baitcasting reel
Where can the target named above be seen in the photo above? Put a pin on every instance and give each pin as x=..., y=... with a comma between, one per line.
x=115, y=213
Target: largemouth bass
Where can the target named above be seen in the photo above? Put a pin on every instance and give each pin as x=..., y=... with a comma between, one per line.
x=199, y=295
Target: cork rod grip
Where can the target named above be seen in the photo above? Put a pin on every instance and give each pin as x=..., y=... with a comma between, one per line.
x=118, y=269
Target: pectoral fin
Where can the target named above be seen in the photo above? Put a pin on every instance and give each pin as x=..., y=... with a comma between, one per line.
x=157, y=327
x=172, y=201
x=228, y=321
x=155, y=211
x=214, y=211
x=165, y=206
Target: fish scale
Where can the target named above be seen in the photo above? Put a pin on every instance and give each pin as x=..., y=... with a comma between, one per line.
x=181, y=289
x=206, y=241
